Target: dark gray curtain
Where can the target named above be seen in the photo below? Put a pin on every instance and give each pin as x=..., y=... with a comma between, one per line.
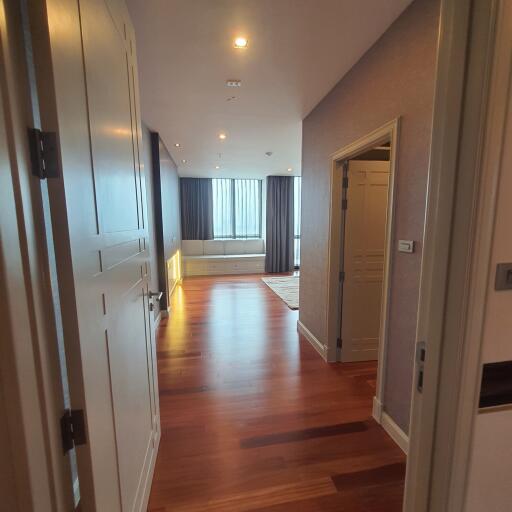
x=196, y=196
x=279, y=241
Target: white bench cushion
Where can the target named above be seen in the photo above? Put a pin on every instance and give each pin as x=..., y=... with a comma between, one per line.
x=254, y=246
x=211, y=247
x=192, y=247
x=223, y=247
x=234, y=246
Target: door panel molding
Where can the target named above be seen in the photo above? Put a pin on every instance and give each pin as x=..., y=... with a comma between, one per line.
x=86, y=69
x=363, y=266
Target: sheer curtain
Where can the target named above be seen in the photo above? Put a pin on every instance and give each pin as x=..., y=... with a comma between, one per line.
x=222, y=208
x=247, y=208
x=297, y=187
x=236, y=208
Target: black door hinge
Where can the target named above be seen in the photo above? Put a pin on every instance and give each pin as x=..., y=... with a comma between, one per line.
x=338, y=342
x=43, y=153
x=345, y=182
x=344, y=204
x=72, y=428
x=342, y=275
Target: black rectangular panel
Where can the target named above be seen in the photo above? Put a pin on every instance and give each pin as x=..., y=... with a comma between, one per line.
x=496, y=386
x=503, y=276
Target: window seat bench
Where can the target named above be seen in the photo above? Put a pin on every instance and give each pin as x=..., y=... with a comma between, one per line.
x=218, y=257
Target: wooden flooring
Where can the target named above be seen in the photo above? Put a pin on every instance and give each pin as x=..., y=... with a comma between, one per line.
x=253, y=418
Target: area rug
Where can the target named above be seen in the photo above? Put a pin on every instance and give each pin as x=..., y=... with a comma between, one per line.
x=286, y=288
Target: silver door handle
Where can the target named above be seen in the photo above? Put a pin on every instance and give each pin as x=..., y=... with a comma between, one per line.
x=155, y=295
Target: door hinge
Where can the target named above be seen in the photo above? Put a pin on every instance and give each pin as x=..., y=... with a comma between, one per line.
x=338, y=342
x=345, y=182
x=342, y=275
x=72, y=428
x=344, y=204
x=43, y=153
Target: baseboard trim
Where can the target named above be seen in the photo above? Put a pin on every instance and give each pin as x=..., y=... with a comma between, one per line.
x=317, y=345
x=387, y=423
x=377, y=410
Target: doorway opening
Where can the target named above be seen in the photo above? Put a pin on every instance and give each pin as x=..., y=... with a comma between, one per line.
x=362, y=204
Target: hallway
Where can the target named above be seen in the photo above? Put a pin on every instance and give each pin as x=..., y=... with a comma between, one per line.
x=253, y=419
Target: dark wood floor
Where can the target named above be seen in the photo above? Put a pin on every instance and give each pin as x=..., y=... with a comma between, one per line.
x=253, y=419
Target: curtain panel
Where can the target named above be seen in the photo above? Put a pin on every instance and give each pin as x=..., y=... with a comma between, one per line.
x=280, y=225
x=196, y=208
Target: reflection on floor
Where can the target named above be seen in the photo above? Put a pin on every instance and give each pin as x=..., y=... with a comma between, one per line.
x=253, y=419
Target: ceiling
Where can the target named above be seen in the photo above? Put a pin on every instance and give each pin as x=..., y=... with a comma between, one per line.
x=297, y=51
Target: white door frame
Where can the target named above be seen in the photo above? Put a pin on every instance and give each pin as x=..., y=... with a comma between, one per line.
x=30, y=374
x=466, y=138
x=388, y=132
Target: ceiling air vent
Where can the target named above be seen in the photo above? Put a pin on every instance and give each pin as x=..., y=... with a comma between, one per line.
x=234, y=83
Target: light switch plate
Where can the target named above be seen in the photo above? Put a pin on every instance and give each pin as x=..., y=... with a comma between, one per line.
x=406, y=246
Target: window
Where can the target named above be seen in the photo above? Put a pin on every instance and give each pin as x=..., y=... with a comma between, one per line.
x=222, y=208
x=297, y=183
x=236, y=208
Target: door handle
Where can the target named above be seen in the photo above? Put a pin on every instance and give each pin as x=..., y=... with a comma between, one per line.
x=155, y=295
x=152, y=296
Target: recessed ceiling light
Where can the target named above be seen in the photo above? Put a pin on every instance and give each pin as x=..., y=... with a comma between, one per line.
x=222, y=136
x=241, y=42
x=177, y=145
x=217, y=167
x=183, y=161
x=290, y=169
x=233, y=82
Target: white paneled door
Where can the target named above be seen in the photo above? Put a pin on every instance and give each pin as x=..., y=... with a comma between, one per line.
x=363, y=258
x=88, y=93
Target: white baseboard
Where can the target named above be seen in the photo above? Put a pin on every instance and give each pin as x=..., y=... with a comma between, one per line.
x=395, y=432
x=377, y=410
x=317, y=345
x=387, y=423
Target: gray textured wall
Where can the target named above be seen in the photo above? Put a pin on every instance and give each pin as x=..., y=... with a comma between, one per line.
x=395, y=78
x=170, y=235
x=170, y=203
x=147, y=161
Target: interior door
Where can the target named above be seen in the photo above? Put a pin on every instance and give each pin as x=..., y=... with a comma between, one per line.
x=85, y=59
x=363, y=258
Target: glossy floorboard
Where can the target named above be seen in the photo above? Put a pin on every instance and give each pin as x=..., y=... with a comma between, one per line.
x=253, y=419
